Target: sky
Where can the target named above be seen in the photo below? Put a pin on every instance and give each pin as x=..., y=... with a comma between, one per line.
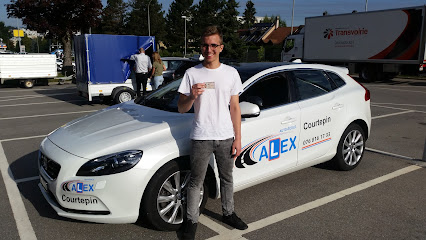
x=282, y=8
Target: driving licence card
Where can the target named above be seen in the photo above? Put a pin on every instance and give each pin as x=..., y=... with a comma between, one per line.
x=209, y=85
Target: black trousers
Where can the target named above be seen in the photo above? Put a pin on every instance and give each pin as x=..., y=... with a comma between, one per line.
x=141, y=78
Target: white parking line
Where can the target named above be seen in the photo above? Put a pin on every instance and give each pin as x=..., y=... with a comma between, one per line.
x=388, y=115
x=28, y=104
x=23, y=224
x=398, y=89
x=22, y=138
x=45, y=115
x=28, y=179
x=375, y=105
x=237, y=234
x=15, y=98
x=399, y=104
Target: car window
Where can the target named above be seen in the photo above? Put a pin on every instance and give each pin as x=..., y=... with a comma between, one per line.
x=336, y=79
x=172, y=64
x=267, y=92
x=311, y=83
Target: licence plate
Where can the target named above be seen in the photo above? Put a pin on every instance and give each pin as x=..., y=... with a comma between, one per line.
x=43, y=183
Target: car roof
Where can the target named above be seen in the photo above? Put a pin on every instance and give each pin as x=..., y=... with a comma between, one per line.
x=247, y=70
x=176, y=58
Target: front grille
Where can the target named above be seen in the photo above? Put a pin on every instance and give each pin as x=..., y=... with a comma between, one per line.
x=51, y=167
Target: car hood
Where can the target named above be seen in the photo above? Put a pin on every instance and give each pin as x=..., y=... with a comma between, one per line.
x=126, y=126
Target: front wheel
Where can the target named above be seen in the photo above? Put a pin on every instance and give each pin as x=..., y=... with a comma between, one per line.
x=350, y=149
x=164, y=200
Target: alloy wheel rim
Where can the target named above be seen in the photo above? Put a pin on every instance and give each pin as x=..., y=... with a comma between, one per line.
x=353, y=147
x=171, y=199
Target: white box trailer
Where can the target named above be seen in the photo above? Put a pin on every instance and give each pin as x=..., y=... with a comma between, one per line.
x=376, y=44
x=27, y=68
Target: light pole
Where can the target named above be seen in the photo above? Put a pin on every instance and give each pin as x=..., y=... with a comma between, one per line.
x=149, y=24
x=292, y=16
x=366, y=3
x=184, y=18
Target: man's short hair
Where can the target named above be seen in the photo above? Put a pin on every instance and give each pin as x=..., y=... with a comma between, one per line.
x=212, y=30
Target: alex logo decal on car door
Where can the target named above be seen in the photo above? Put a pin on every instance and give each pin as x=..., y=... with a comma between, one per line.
x=266, y=149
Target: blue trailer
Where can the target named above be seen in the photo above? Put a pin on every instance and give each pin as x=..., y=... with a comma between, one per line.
x=103, y=68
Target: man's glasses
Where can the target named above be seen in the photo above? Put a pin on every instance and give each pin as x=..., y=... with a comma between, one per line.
x=206, y=46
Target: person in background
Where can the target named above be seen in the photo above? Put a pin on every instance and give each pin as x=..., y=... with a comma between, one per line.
x=142, y=67
x=157, y=71
x=212, y=88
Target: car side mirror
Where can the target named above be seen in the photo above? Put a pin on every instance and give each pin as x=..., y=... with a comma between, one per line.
x=255, y=100
x=249, y=110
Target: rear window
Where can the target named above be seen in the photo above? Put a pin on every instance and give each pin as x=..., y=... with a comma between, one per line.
x=311, y=83
x=336, y=79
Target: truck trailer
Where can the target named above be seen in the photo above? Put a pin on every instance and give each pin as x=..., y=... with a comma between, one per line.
x=103, y=68
x=376, y=44
x=28, y=69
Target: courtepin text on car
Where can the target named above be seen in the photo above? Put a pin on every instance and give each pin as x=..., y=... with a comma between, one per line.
x=131, y=160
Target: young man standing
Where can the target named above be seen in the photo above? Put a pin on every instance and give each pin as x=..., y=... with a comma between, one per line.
x=142, y=67
x=212, y=88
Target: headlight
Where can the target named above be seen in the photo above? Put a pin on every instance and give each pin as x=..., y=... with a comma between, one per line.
x=111, y=164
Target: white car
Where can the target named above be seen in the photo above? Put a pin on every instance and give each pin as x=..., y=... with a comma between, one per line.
x=131, y=160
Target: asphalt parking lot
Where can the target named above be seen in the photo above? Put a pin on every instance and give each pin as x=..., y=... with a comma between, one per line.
x=383, y=198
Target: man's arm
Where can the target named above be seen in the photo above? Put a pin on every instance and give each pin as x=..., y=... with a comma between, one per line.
x=185, y=102
x=236, y=122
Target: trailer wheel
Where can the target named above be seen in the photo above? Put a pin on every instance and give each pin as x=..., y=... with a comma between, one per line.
x=124, y=95
x=28, y=83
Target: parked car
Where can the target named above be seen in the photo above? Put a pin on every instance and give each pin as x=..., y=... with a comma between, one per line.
x=172, y=63
x=180, y=71
x=60, y=63
x=132, y=159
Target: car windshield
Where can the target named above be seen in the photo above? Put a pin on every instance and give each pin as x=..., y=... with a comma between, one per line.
x=165, y=98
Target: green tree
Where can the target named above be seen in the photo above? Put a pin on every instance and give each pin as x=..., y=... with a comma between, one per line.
x=249, y=17
x=5, y=33
x=206, y=13
x=59, y=18
x=229, y=24
x=137, y=22
x=272, y=19
x=113, y=16
x=176, y=24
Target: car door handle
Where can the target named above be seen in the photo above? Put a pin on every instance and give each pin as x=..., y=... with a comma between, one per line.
x=337, y=106
x=288, y=120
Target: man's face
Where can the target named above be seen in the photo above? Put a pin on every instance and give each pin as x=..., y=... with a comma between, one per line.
x=211, y=47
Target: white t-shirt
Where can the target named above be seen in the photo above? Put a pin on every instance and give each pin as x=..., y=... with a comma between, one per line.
x=212, y=120
x=143, y=62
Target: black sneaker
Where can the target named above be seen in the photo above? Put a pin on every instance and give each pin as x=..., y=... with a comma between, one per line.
x=189, y=229
x=234, y=221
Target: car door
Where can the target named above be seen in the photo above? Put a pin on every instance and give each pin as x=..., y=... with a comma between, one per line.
x=269, y=141
x=320, y=111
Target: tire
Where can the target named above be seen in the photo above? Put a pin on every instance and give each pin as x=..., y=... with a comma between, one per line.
x=28, y=83
x=124, y=95
x=350, y=149
x=164, y=201
x=367, y=74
